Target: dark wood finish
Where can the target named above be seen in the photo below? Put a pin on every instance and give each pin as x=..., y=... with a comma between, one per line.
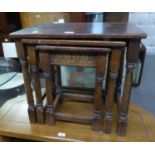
x=72, y=58
x=23, y=61
x=58, y=81
x=98, y=102
x=68, y=89
x=70, y=118
x=33, y=59
x=114, y=66
x=132, y=57
x=81, y=31
x=76, y=97
x=49, y=87
x=83, y=34
x=48, y=52
x=72, y=49
x=57, y=101
x=99, y=76
x=62, y=42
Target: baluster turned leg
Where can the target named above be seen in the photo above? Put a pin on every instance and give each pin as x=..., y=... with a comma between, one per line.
x=114, y=66
x=100, y=70
x=132, y=57
x=48, y=71
x=33, y=62
x=125, y=100
x=24, y=65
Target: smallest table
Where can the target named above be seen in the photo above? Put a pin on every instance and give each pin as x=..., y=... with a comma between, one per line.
x=75, y=40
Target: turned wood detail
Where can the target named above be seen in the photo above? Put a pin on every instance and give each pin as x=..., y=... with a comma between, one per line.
x=123, y=114
x=98, y=103
x=48, y=71
x=23, y=63
x=34, y=66
x=113, y=69
x=46, y=64
x=99, y=78
x=96, y=120
x=22, y=54
x=34, y=69
x=132, y=57
x=108, y=116
x=28, y=89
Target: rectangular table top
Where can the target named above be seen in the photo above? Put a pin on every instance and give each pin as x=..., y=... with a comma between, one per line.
x=111, y=30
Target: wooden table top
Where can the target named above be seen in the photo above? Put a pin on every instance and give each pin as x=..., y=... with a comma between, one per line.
x=112, y=30
x=14, y=122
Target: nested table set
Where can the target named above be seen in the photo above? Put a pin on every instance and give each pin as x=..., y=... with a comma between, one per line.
x=100, y=45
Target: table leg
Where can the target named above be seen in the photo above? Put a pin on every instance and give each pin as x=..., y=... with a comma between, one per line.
x=33, y=62
x=100, y=70
x=48, y=71
x=132, y=57
x=24, y=65
x=114, y=65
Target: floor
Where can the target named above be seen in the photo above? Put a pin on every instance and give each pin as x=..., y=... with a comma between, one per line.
x=144, y=95
x=11, y=93
x=14, y=121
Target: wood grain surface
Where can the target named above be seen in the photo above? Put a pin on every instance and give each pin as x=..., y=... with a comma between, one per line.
x=14, y=122
x=81, y=30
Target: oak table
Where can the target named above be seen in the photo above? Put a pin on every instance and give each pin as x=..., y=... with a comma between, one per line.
x=14, y=123
x=89, y=34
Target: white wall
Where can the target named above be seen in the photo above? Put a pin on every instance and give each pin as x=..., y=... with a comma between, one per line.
x=145, y=21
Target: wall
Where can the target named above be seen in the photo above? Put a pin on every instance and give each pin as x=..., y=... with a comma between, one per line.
x=145, y=21
x=29, y=19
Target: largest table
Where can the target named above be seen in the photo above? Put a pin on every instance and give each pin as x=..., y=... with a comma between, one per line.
x=36, y=35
